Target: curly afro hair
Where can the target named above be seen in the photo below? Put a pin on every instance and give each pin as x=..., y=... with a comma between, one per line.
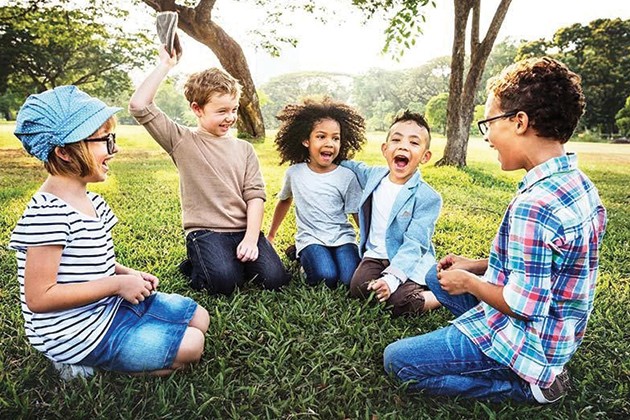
x=546, y=90
x=298, y=120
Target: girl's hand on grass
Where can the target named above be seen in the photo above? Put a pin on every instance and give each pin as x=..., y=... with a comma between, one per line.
x=380, y=288
x=133, y=288
x=247, y=250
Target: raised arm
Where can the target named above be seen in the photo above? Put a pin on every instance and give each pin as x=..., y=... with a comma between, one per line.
x=145, y=93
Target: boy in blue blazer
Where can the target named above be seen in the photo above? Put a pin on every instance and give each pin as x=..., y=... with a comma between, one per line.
x=397, y=219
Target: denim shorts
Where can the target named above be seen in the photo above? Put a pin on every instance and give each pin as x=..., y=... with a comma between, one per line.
x=144, y=337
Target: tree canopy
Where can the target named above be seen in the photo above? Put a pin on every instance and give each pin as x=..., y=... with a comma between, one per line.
x=45, y=46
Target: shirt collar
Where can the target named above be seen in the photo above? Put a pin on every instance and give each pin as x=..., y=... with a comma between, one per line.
x=552, y=166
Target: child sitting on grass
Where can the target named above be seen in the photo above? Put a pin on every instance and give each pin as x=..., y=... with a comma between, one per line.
x=314, y=137
x=81, y=306
x=522, y=313
x=221, y=186
x=397, y=219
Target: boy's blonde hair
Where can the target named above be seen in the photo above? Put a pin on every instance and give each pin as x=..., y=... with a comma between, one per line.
x=202, y=85
x=81, y=161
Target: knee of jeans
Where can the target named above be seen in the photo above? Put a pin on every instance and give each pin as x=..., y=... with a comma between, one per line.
x=390, y=357
x=433, y=283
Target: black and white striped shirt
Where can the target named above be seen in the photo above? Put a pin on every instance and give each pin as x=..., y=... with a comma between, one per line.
x=69, y=335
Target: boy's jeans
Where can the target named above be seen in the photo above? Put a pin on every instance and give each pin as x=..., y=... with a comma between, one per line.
x=329, y=263
x=216, y=269
x=446, y=362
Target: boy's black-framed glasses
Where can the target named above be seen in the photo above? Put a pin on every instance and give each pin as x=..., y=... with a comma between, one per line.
x=110, y=138
x=483, y=124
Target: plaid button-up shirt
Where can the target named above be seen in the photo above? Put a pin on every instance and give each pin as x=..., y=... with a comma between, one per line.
x=545, y=255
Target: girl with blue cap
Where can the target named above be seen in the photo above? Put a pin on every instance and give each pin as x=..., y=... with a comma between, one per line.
x=83, y=309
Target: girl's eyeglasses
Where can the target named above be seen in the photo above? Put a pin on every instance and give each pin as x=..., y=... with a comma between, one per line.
x=110, y=138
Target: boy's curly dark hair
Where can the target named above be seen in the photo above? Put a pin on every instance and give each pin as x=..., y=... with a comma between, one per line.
x=298, y=121
x=546, y=90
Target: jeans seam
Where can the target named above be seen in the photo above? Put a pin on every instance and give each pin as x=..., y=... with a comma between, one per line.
x=203, y=266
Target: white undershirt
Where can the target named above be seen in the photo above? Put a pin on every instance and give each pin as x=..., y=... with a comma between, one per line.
x=383, y=199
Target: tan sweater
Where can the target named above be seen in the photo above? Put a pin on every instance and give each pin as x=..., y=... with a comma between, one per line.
x=217, y=175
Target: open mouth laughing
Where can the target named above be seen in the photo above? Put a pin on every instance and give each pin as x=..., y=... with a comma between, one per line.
x=401, y=161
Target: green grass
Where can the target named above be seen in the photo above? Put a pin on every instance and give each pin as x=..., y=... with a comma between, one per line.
x=304, y=352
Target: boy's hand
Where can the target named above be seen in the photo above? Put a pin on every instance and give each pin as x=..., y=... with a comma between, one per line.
x=133, y=288
x=381, y=289
x=166, y=58
x=456, y=281
x=270, y=238
x=247, y=250
x=455, y=262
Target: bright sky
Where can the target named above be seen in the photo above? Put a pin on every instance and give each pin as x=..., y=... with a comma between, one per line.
x=353, y=47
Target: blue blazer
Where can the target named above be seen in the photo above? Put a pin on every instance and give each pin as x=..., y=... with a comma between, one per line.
x=410, y=226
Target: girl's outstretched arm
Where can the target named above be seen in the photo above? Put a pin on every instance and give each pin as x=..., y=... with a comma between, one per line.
x=44, y=294
x=279, y=214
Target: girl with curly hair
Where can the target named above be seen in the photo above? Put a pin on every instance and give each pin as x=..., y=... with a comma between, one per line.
x=314, y=137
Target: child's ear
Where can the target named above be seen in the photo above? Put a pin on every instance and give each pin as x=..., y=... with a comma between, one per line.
x=194, y=106
x=426, y=157
x=62, y=154
x=383, y=148
x=306, y=143
x=522, y=122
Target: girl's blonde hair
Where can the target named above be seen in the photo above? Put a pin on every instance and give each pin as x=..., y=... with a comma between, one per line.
x=80, y=161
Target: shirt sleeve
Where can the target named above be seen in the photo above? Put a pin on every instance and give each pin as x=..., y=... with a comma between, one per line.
x=43, y=223
x=285, y=191
x=527, y=290
x=164, y=131
x=254, y=186
x=352, y=199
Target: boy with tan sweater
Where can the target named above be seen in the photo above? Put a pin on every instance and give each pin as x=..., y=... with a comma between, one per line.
x=221, y=187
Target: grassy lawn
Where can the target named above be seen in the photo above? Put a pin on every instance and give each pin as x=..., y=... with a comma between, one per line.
x=304, y=352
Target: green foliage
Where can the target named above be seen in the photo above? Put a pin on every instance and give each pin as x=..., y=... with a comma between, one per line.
x=600, y=53
x=303, y=352
x=46, y=45
x=294, y=87
x=436, y=112
x=622, y=118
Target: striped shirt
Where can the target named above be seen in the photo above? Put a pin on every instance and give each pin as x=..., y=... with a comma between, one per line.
x=545, y=255
x=67, y=336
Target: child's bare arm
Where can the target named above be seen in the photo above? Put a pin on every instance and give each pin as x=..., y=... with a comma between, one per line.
x=282, y=208
x=44, y=294
x=145, y=93
x=247, y=250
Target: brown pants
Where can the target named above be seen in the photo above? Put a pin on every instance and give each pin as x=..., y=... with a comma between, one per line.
x=407, y=299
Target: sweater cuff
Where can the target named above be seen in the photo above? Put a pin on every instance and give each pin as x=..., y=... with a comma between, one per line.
x=392, y=282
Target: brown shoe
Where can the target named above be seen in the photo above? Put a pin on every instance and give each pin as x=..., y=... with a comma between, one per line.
x=557, y=390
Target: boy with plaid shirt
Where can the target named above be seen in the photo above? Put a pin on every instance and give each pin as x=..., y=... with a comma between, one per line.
x=524, y=318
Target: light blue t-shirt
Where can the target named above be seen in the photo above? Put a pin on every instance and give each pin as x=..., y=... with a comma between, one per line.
x=322, y=204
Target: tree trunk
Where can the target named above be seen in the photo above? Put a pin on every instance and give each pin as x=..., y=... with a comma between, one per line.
x=461, y=98
x=197, y=23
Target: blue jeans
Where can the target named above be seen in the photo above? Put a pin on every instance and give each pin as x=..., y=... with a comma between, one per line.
x=216, y=268
x=446, y=362
x=329, y=263
x=144, y=337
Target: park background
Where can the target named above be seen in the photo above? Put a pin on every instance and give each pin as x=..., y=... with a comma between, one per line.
x=308, y=352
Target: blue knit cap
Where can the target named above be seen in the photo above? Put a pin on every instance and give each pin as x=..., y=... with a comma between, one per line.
x=58, y=117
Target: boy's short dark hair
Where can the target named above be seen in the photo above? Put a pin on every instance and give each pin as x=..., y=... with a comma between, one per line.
x=546, y=90
x=419, y=119
x=202, y=85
